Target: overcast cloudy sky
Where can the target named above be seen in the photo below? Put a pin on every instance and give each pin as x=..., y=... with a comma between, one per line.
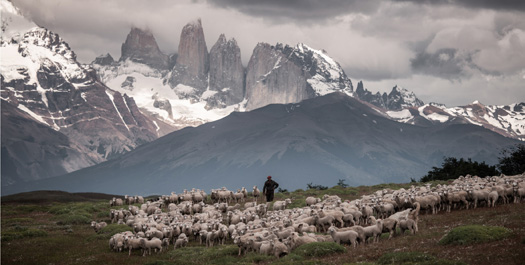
x=447, y=51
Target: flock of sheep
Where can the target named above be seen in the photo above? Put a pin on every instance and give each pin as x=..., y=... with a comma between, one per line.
x=178, y=218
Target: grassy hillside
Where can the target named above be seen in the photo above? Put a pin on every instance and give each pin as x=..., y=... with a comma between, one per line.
x=51, y=231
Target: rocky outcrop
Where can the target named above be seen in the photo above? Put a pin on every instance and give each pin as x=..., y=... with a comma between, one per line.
x=272, y=78
x=104, y=60
x=398, y=99
x=367, y=96
x=192, y=65
x=32, y=150
x=52, y=89
x=323, y=73
x=226, y=73
x=141, y=47
x=285, y=74
x=163, y=104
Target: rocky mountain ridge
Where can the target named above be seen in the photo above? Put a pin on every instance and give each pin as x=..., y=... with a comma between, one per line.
x=204, y=86
x=274, y=74
x=403, y=106
x=141, y=47
x=41, y=78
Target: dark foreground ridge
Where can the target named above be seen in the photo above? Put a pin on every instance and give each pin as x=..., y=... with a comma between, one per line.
x=330, y=137
x=47, y=196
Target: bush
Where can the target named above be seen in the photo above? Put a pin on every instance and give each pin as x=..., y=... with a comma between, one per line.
x=29, y=208
x=311, y=186
x=452, y=168
x=72, y=219
x=511, y=161
x=474, y=234
x=21, y=232
x=319, y=249
x=342, y=183
x=282, y=190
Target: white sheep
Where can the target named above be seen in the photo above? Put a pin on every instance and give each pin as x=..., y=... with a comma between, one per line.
x=180, y=242
x=147, y=245
x=519, y=193
x=210, y=238
x=266, y=248
x=322, y=223
x=131, y=243
x=256, y=193
x=493, y=197
x=342, y=237
x=389, y=225
x=281, y=205
x=98, y=226
x=312, y=200
x=407, y=224
x=279, y=249
x=374, y=231
x=297, y=241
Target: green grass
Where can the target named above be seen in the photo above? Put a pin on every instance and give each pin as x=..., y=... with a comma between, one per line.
x=21, y=232
x=470, y=234
x=66, y=227
x=226, y=254
x=73, y=218
x=6, y=222
x=409, y=258
x=319, y=249
x=108, y=231
x=79, y=212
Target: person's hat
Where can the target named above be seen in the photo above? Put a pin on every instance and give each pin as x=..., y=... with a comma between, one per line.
x=269, y=177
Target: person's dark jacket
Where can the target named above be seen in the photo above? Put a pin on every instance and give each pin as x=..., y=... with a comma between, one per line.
x=270, y=186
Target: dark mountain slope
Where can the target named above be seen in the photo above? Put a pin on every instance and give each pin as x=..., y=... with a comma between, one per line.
x=319, y=140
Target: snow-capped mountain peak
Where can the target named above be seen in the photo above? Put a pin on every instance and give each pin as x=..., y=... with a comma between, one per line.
x=327, y=75
x=404, y=98
x=13, y=23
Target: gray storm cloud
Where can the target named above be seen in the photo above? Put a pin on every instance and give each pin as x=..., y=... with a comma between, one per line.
x=488, y=4
x=444, y=63
x=300, y=10
x=383, y=42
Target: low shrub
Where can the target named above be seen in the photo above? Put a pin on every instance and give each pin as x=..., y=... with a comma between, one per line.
x=319, y=249
x=223, y=254
x=470, y=234
x=15, y=221
x=21, y=232
x=72, y=219
x=103, y=215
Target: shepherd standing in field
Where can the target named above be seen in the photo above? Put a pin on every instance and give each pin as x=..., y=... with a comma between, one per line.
x=269, y=188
